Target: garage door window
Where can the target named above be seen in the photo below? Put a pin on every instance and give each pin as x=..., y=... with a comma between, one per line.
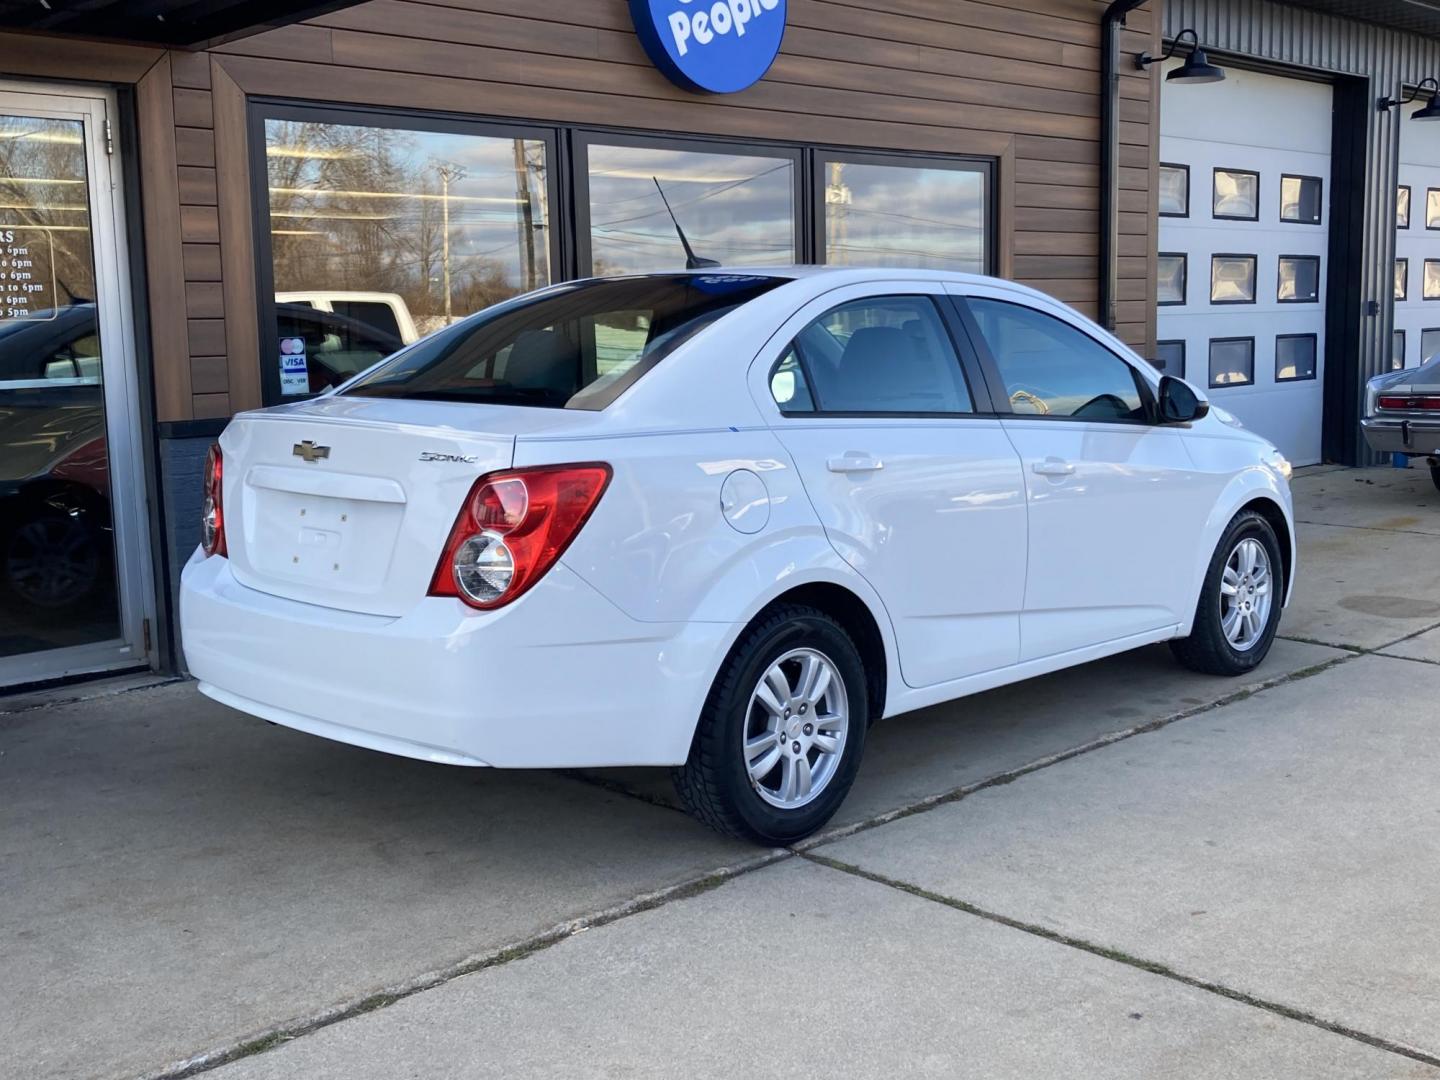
x=1174, y=190
x=1431, y=285
x=1171, y=274
x=1299, y=279
x=1402, y=207
x=1232, y=361
x=1402, y=277
x=1051, y=369
x=1300, y=199
x=1432, y=208
x=1397, y=350
x=1237, y=195
x=1429, y=345
x=1170, y=358
x=1232, y=279
x=1295, y=357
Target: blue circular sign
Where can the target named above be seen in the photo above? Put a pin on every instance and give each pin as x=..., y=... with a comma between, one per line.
x=714, y=46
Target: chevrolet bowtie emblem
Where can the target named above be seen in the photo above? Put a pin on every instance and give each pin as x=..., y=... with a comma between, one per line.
x=310, y=452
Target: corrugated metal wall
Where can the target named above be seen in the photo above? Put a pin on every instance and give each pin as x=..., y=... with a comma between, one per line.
x=1391, y=60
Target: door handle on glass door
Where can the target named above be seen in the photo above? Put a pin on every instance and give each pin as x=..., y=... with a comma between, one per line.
x=1053, y=466
x=854, y=461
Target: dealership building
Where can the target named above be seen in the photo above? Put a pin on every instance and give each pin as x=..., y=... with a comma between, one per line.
x=207, y=208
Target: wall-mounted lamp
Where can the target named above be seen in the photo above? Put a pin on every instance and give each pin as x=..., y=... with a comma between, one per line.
x=1429, y=112
x=1197, y=67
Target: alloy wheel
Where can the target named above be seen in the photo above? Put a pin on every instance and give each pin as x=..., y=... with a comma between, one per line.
x=795, y=728
x=1246, y=594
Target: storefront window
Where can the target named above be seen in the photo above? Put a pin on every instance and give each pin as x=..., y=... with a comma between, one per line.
x=379, y=235
x=904, y=215
x=738, y=209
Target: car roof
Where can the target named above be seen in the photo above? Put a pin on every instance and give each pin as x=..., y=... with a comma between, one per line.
x=843, y=275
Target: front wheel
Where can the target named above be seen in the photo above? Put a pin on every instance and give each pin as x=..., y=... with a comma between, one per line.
x=1435, y=475
x=781, y=735
x=1239, y=608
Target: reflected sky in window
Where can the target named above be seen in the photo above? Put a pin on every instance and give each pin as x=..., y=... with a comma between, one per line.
x=895, y=215
x=736, y=209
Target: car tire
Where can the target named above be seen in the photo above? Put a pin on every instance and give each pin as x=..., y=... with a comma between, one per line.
x=1435, y=475
x=814, y=733
x=1233, y=631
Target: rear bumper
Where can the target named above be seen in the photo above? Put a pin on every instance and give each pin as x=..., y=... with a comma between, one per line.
x=1415, y=437
x=562, y=678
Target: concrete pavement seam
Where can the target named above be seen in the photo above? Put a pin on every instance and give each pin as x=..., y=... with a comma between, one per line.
x=1365, y=528
x=296, y=1027
x=1153, y=967
x=1109, y=739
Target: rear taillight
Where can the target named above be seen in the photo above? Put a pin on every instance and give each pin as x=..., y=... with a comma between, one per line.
x=1430, y=402
x=512, y=528
x=212, y=514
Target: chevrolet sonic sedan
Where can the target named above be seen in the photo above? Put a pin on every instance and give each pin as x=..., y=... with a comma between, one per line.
x=723, y=521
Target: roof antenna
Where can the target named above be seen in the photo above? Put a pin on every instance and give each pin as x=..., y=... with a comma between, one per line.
x=692, y=261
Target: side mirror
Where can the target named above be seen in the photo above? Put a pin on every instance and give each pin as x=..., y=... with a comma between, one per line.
x=1179, y=403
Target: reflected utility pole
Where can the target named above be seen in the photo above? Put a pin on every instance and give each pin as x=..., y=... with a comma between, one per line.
x=449, y=173
x=527, y=213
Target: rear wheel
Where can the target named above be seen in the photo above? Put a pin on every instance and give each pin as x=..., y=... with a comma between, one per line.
x=782, y=732
x=1435, y=475
x=1239, y=608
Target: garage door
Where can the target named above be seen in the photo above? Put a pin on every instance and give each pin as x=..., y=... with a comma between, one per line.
x=1243, y=239
x=1417, y=244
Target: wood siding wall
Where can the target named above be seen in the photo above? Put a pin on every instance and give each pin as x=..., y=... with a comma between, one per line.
x=1006, y=79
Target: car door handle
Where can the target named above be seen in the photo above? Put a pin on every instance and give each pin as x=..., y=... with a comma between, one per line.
x=854, y=461
x=1053, y=467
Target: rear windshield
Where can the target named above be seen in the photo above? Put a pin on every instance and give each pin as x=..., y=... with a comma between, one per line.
x=576, y=346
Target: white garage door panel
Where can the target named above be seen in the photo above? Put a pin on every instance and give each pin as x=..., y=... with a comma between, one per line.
x=1419, y=171
x=1274, y=127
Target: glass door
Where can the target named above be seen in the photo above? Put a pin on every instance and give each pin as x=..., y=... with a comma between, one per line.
x=74, y=582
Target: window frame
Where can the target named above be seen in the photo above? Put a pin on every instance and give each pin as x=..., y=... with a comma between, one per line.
x=1314, y=340
x=1215, y=215
x=1254, y=283
x=995, y=382
x=1280, y=194
x=261, y=109
x=1318, y=280
x=1404, y=281
x=1409, y=205
x=1186, y=170
x=1184, y=258
x=981, y=405
x=1209, y=367
x=818, y=156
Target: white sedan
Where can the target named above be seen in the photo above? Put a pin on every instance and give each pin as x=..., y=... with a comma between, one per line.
x=723, y=521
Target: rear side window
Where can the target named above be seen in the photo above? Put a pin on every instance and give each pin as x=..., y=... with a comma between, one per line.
x=576, y=346
x=1050, y=368
x=885, y=354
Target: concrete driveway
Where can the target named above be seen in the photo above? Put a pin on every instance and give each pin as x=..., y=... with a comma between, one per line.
x=1121, y=870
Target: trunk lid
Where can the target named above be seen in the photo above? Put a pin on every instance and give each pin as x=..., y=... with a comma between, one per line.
x=346, y=502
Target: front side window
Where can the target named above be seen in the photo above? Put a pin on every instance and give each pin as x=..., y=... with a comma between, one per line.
x=1050, y=368
x=884, y=355
x=904, y=215
x=576, y=346
x=737, y=208
x=399, y=231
